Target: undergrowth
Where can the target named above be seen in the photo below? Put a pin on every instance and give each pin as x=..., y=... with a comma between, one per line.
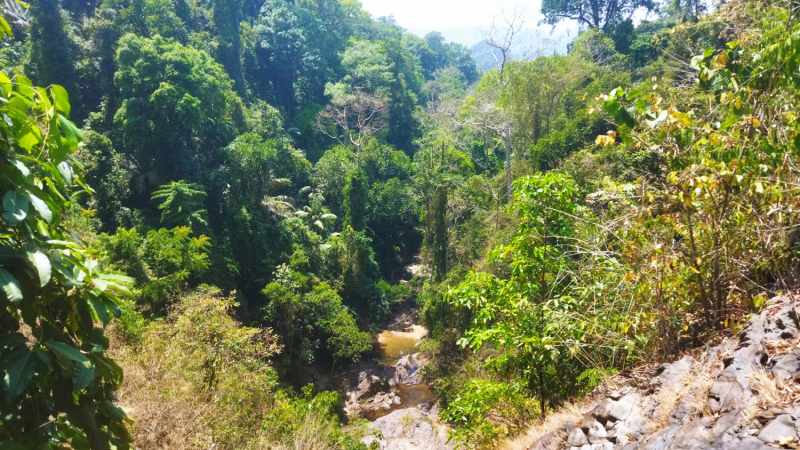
x=200, y=379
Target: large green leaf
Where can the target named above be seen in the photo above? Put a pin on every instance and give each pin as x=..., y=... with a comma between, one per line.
x=25, y=87
x=11, y=286
x=82, y=375
x=66, y=354
x=19, y=366
x=61, y=98
x=42, y=265
x=5, y=27
x=98, y=307
x=58, y=153
x=5, y=84
x=15, y=207
x=41, y=207
x=9, y=341
x=71, y=133
x=23, y=169
x=65, y=170
x=113, y=411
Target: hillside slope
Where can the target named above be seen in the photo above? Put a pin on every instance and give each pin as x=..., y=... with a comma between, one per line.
x=740, y=393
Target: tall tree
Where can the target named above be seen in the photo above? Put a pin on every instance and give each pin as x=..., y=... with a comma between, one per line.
x=501, y=36
x=594, y=13
x=53, y=53
x=356, y=196
x=177, y=108
x=227, y=17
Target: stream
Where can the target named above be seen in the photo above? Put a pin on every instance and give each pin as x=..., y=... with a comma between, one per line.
x=394, y=345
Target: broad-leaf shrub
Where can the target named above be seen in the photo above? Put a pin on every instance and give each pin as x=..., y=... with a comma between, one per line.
x=719, y=226
x=58, y=386
x=161, y=262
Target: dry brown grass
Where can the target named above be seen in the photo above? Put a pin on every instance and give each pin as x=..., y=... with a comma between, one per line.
x=570, y=412
x=694, y=385
x=772, y=391
x=164, y=419
x=196, y=380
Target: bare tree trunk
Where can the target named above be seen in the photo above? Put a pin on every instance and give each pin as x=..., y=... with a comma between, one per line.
x=507, y=138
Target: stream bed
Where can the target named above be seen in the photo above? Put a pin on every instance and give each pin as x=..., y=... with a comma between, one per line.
x=394, y=346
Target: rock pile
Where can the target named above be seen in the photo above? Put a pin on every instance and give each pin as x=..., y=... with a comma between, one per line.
x=741, y=394
x=406, y=372
x=409, y=429
x=373, y=392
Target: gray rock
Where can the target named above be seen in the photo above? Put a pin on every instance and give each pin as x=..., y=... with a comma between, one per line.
x=621, y=409
x=576, y=438
x=597, y=433
x=787, y=366
x=781, y=427
x=407, y=429
x=549, y=441
x=423, y=429
x=587, y=422
x=603, y=446
x=729, y=390
x=635, y=412
x=753, y=443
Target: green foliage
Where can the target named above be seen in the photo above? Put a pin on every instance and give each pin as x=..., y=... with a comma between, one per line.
x=104, y=172
x=308, y=421
x=664, y=211
x=177, y=107
x=717, y=173
x=250, y=192
x=600, y=14
x=488, y=410
x=53, y=53
x=360, y=276
x=182, y=205
x=161, y=262
x=210, y=367
x=534, y=315
x=59, y=384
x=309, y=317
x=227, y=17
x=355, y=200
x=439, y=168
x=316, y=216
x=289, y=66
x=308, y=136
x=394, y=293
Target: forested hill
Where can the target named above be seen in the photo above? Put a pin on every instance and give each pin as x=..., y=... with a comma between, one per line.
x=211, y=209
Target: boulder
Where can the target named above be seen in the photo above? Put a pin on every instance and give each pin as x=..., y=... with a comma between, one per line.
x=576, y=438
x=781, y=428
x=407, y=429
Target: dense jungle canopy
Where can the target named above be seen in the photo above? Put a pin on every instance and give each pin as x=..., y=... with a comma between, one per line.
x=233, y=193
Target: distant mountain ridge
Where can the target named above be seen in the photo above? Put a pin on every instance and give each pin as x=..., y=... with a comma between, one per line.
x=533, y=40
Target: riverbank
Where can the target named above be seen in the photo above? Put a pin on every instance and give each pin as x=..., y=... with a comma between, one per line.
x=391, y=380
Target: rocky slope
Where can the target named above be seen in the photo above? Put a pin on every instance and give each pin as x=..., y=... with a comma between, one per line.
x=410, y=429
x=742, y=393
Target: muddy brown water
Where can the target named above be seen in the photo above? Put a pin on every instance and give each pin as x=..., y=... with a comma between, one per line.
x=395, y=345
